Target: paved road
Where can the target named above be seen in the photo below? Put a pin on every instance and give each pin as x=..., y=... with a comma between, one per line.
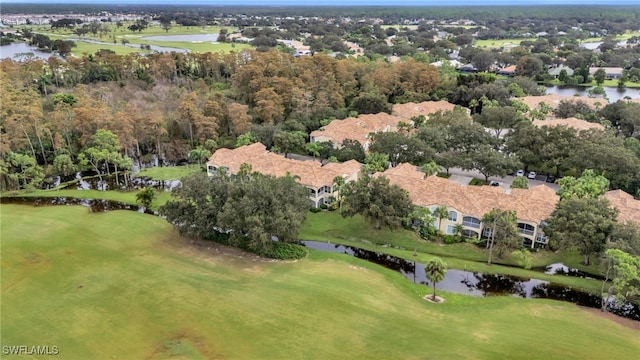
x=505, y=181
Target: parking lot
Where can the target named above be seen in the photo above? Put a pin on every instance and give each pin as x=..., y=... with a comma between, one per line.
x=464, y=177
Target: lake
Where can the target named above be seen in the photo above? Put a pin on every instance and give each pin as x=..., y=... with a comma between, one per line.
x=596, y=44
x=190, y=38
x=15, y=50
x=614, y=94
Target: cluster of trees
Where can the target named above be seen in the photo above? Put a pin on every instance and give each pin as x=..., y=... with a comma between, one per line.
x=43, y=42
x=249, y=207
x=166, y=105
x=584, y=220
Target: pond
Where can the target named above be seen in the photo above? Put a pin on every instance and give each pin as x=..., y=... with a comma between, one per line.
x=189, y=38
x=479, y=284
x=614, y=94
x=22, y=51
x=596, y=44
x=89, y=181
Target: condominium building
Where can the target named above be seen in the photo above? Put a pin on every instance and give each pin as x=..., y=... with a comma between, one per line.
x=468, y=204
x=318, y=178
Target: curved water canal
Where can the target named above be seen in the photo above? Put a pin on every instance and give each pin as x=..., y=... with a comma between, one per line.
x=479, y=284
x=455, y=281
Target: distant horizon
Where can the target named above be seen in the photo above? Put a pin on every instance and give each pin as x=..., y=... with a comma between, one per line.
x=355, y=3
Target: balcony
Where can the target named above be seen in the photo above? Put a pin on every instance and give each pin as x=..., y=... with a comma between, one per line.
x=471, y=222
x=525, y=231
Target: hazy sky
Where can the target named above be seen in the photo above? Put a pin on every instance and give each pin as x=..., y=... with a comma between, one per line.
x=341, y=2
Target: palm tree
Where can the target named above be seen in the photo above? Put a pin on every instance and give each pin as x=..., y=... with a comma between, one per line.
x=430, y=168
x=458, y=229
x=313, y=148
x=245, y=171
x=441, y=212
x=435, y=270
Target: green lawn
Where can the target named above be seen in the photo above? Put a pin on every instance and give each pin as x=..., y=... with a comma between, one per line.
x=122, y=285
x=498, y=43
x=169, y=172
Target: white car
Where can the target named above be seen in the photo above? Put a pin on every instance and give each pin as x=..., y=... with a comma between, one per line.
x=520, y=173
x=532, y=175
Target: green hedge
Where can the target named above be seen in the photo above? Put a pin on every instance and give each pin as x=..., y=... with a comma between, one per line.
x=286, y=251
x=279, y=250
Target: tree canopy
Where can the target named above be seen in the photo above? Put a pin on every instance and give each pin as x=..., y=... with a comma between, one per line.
x=377, y=201
x=249, y=212
x=583, y=224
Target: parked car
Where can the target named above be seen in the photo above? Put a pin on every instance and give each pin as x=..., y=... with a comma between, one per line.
x=532, y=175
x=520, y=173
x=494, y=183
x=550, y=179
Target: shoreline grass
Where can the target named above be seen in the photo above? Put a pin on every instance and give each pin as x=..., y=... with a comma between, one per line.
x=331, y=227
x=124, y=285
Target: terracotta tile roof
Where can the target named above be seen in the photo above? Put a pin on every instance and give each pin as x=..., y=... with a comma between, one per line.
x=553, y=100
x=531, y=205
x=409, y=110
x=357, y=128
x=608, y=70
x=629, y=208
x=569, y=122
x=311, y=173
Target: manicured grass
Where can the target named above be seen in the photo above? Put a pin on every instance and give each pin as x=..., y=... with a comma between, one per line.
x=170, y=172
x=499, y=43
x=331, y=227
x=607, y=83
x=127, y=197
x=122, y=285
x=138, y=38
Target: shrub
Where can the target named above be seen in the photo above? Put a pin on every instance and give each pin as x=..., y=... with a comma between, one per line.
x=523, y=258
x=451, y=239
x=315, y=210
x=286, y=251
x=427, y=232
x=324, y=206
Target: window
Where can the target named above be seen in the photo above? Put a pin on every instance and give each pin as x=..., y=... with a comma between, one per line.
x=470, y=221
x=486, y=232
x=327, y=189
x=450, y=230
x=541, y=238
x=453, y=216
